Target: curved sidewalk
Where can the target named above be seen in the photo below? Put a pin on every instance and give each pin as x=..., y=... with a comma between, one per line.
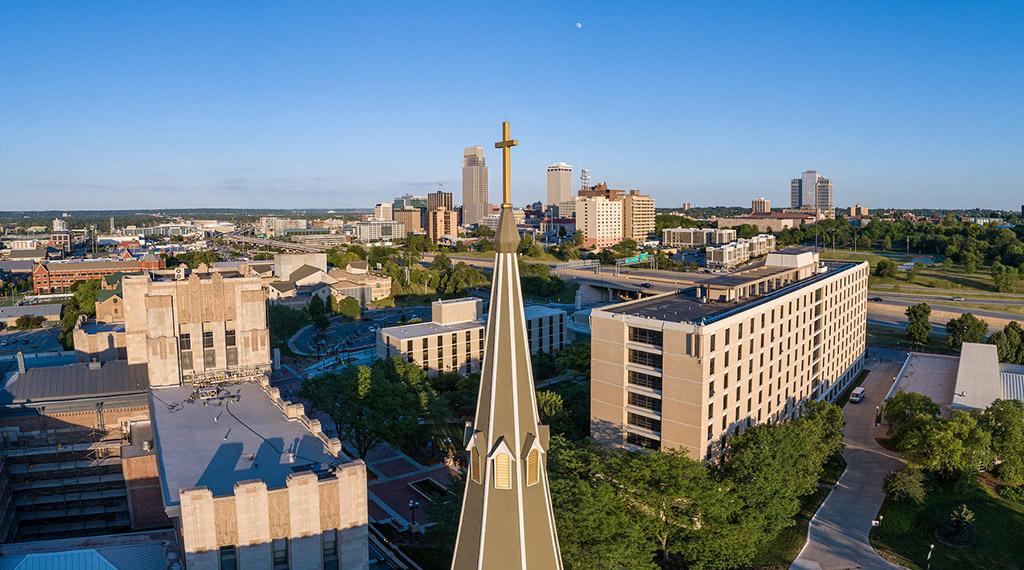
x=837, y=536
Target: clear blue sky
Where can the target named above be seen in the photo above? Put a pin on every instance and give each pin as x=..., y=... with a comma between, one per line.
x=303, y=104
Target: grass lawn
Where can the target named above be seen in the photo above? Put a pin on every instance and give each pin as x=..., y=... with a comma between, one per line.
x=936, y=277
x=908, y=529
x=872, y=257
x=893, y=338
x=781, y=552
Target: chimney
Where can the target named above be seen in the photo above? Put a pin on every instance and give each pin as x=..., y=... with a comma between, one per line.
x=21, y=361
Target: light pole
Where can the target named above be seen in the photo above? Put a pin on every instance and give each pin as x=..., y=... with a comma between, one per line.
x=413, y=505
x=878, y=413
x=931, y=547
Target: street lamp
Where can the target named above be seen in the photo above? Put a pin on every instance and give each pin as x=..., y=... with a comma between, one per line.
x=931, y=547
x=878, y=413
x=413, y=505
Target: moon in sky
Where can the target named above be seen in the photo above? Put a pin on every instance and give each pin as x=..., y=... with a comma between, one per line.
x=579, y=25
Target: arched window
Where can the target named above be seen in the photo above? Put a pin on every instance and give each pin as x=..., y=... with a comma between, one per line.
x=502, y=471
x=532, y=467
x=474, y=464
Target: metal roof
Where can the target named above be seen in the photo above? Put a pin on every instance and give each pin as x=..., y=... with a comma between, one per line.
x=417, y=330
x=149, y=556
x=75, y=381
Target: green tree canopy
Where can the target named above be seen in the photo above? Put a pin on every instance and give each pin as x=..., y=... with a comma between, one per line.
x=908, y=411
x=965, y=328
x=886, y=268
x=919, y=327
x=1004, y=421
x=949, y=447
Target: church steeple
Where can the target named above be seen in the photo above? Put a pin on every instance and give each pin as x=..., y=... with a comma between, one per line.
x=507, y=521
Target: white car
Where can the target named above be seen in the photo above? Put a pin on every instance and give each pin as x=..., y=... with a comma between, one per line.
x=857, y=395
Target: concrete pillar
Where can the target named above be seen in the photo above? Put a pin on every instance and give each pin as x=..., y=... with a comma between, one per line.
x=304, y=519
x=253, y=520
x=353, y=532
x=277, y=358
x=199, y=528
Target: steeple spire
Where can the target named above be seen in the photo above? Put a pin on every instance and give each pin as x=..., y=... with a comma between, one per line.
x=507, y=521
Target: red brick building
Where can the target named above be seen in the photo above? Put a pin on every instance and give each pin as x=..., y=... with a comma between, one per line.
x=58, y=276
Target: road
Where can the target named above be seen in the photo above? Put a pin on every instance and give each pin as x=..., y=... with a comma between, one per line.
x=837, y=537
x=343, y=334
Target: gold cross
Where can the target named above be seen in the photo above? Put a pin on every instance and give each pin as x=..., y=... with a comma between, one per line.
x=505, y=144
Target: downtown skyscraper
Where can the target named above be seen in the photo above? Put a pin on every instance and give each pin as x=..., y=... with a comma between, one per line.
x=813, y=192
x=475, y=201
x=559, y=183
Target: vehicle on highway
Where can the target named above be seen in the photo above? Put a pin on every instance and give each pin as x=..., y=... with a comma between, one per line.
x=646, y=285
x=957, y=299
x=857, y=396
x=875, y=299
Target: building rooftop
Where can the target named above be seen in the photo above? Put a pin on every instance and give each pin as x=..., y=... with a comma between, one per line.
x=240, y=435
x=429, y=328
x=979, y=380
x=303, y=272
x=95, y=328
x=146, y=550
x=47, y=310
x=684, y=307
x=75, y=381
x=535, y=311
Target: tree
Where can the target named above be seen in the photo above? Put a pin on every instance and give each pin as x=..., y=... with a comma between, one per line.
x=578, y=238
x=529, y=246
x=483, y=231
x=886, y=268
x=824, y=423
x=348, y=307
x=965, y=328
x=947, y=264
x=576, y=357
x=316, y=306
x=919, y=328
x=625, y=248
x=887, y=243
x=1004, y=278
x=1004, y=421
x=681, y=507
x=441, y=262
x=908, y=411
x=596, y=527
x=26, y=322
x=1009, y=343
x=905, y=483
x=369, y=405
x=950, y=447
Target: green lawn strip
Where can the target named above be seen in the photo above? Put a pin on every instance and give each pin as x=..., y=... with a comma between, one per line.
x=908, y=529
x=845, y=396
x=783, y=550
x=893, y=338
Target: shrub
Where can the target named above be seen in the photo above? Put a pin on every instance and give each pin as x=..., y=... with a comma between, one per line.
x=906, y=484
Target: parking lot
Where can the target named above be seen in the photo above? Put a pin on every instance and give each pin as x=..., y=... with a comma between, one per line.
x=39, y=340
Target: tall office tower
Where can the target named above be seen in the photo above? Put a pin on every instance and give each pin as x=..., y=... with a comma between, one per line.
x=411, y=217
x=812, y=191
x=600, y=220
x=383, y=211
x=559, y=183
x=689, y=369
x=474, y=185
x=506, y=519
x=761, y=205
x=440, y=199
x=637, y=216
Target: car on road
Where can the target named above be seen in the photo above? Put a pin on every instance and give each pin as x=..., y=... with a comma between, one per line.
x=875, y=299
x=646, y=285
x=857, y=396
x=957, y=299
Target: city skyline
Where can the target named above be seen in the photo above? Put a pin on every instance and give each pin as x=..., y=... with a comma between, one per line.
x=153, y=107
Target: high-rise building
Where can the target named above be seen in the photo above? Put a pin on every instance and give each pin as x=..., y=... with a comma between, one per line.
x=761, y=205
x=442, y=222
x=559, y=183
x=378, y=230
x=383, y=211
x=858, y=211
x=412, y=218
x=687, y=369
x=474, y=185
x=812, y=192
x=440, y=199
x=600, y=220
x=687, y=205
x=637, y=216
x=506, y=519
x=694, y=237
x=60, y=225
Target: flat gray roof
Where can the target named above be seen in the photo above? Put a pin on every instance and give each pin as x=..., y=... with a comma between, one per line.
x=93, y=328
x=429, y=328
x=75, y=381
x=978, y=379
x=48, y=310
x=223, y=441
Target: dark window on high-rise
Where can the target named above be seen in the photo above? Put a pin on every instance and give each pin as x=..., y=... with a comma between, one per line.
x=645, y=358
x=228, y=558
x=645, y=336
x=641, y=441
x=644, y=422
x=646, y=402
x=645, y=380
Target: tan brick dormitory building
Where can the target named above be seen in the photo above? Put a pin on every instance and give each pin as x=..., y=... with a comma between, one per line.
x=685, y=370
x=59, y=276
